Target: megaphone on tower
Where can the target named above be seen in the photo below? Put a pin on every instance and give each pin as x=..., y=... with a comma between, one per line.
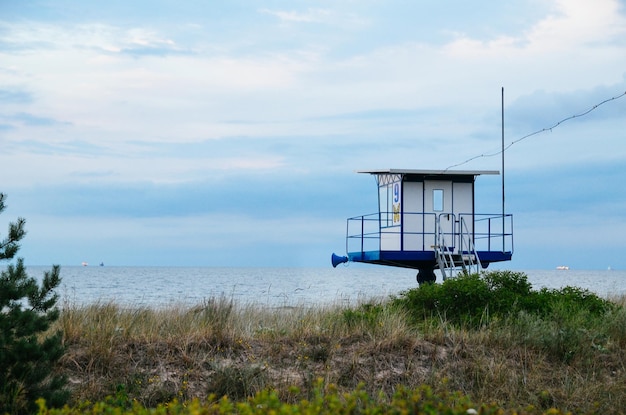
x=336, y=260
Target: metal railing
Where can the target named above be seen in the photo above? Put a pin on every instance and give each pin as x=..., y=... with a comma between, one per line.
x=489, y=234
x=418, y=232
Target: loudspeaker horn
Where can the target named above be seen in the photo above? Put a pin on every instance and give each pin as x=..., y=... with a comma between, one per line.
x=336, y=260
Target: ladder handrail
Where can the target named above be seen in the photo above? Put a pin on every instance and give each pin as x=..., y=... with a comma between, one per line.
x=470, y=245
x=444, y=255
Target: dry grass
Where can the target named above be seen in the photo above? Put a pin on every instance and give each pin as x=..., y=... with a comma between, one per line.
x=155, y=355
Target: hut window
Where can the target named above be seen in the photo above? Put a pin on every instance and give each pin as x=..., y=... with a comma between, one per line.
x=438, y=200
x=384, y=198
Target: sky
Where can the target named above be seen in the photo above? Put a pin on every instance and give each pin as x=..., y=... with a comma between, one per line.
x=163, y=133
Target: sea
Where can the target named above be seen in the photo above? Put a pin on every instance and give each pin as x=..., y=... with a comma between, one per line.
x=160, y=287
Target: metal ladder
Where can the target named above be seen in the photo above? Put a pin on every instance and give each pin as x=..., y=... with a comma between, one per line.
x=471, y=260
x=449, y=261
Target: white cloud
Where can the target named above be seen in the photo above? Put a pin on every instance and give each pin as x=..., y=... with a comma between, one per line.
x=334, y=17
x=577, y=25
x=58, y=168
x=145, y=37
x=308, y=16
x=577, y=46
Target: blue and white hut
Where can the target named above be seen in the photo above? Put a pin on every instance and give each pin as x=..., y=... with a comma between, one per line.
x=426, y=221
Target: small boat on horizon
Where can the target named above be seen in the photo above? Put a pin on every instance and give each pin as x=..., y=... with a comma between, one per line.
x=562, y=267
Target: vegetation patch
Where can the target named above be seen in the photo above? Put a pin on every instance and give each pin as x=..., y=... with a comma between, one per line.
x=28, y=349
x=488, y=339
x=475, y=300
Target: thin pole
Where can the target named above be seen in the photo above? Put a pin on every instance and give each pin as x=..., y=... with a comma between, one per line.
x=503, y=221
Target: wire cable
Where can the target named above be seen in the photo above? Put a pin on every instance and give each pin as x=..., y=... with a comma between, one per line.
x=571, y=117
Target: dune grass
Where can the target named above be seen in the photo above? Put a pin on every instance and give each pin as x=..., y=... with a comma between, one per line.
x=503, y=344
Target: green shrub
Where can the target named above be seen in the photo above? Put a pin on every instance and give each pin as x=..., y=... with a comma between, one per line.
x=469, y=299
x=325, y=400
x=476, y=299
x=565, y=323
x=582, y=299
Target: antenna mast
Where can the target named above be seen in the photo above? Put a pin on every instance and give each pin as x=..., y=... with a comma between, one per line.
x=502, y=153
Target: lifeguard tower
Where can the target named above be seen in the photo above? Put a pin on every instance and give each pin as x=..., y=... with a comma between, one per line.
x=426, y=221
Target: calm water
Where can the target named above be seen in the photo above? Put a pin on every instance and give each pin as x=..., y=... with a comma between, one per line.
x=162, y=286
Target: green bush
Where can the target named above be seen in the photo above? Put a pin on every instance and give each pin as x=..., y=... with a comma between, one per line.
x=325, y=400
x=27, y=356
x=476, y=299
x=565, y=323
x=469, y=299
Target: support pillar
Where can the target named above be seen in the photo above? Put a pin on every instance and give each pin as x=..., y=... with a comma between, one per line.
x=426, y=275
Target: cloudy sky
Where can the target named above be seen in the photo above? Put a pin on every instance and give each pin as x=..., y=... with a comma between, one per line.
x=228, y=133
